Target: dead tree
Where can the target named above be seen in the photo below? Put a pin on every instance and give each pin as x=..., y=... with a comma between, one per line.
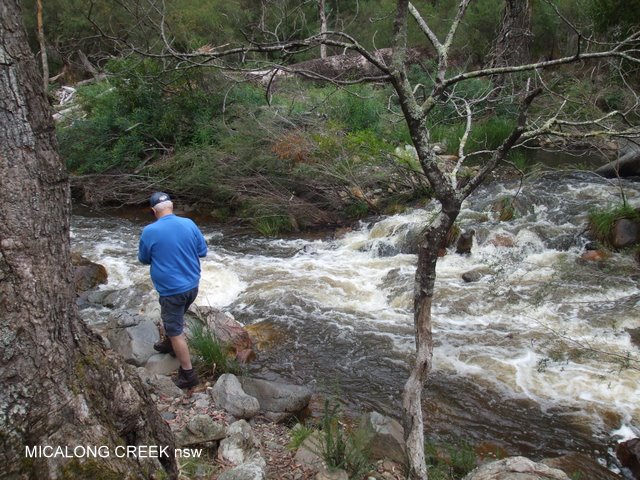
x=60, y=386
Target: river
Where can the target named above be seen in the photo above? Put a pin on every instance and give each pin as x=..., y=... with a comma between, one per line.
x=533, y=358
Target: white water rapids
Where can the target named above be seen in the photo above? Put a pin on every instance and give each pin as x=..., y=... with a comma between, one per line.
x=535, y=356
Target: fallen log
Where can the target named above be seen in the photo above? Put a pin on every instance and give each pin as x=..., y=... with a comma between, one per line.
x=626, y=166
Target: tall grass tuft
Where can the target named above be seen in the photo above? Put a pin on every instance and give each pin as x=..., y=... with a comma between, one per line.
x=601, y=221
x=210, y=356
x=344, y=449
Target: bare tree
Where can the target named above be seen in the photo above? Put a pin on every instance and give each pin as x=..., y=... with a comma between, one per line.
x=418, y=105
x=43, y=46
x=61, y=389
x=322, y=14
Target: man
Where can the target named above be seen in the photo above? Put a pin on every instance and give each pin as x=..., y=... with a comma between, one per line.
x=173, y=247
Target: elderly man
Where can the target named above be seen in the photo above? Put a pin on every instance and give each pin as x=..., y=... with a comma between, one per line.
x=173, y=247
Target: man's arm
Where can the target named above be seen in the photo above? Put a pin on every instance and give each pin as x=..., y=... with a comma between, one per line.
x=144, y=252
x=202, y=244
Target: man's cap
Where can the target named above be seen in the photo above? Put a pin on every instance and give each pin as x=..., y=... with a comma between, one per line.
x=158, y=197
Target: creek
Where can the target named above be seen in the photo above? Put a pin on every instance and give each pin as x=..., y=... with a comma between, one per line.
x=533, y=358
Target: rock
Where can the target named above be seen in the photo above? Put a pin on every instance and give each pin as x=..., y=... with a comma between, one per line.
x=252, y=469
x=277, y=400
x=159, y=384
x=168, y=416
x=245, y=356
x=200, y=429
x=162, y=364
x=309, y=454
x=387, y=437
x=502, y=240
x=516, y=468
x=628, y=454
x=239, y=443
x=228, y=394
x=578, y=465
x=634, y=336
x=472, y=276
x=226, y=329
x=87, y=274
x=133, y=342
x=594, y=255
x=332, y=475
x=465, y=242
x=625, y=233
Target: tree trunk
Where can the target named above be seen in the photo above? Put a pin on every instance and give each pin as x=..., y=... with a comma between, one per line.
x=512, y=46
x=413, y=422
x=60, y=387
x=323, y=26
x=43, y=48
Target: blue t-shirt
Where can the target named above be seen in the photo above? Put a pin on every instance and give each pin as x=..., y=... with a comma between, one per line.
x=172, y=246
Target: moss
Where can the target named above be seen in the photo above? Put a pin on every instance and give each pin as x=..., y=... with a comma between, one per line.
x=88, y=470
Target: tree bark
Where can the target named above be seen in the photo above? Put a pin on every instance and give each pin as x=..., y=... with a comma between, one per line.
x=43, y=47
x=512, y=46
x=60, y=387
x=323, y=26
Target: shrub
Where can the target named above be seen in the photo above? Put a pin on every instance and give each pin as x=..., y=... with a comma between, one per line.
x=449, y=462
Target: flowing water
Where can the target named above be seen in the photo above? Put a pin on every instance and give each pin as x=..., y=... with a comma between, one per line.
x=534, y=357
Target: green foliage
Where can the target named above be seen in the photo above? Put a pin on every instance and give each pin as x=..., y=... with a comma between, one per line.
x=299, y=434
x=271, y=225
x=210, y=356
x=357, y=108
x=601, y=221
x=342, y=448
x=449, y=462
x=617, y=17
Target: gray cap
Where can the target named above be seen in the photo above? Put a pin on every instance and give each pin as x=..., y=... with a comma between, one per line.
x=158, y=197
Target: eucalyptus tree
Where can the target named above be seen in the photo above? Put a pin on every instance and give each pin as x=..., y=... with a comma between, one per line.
x=62, y=391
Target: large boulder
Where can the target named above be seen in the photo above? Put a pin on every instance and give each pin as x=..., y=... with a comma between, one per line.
x=160, y=385
x=228, y=394
x=200, y=429
x=387, y=437
x=132, y=336
x=628, y=454
x=625, y=233
x=516, y=468
x=626, y=166
x=87, y=274
x=226, y=329
x=162, y=364
x=278, y=401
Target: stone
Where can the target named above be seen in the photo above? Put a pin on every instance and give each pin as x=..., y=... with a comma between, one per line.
x=387, y=437
x=87, y=274
x=245, y=356
x=578, y=465
x=625, y=233
x=159, y=384
x=516, y=468
x=200, y=429
x=472, y=276
x=503, y=240
x=594, y=256
x=465, y=242
x=253, y=469
x=281, y=399
x=228, y=394
x=332, y=475
x=226, y=329
x=309, y=454
x=628, y=454
x=634, y=336
x=239, y=443
x=162, y=364
x=134, y=343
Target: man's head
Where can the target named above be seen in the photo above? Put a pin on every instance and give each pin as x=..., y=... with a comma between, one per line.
x=161, y=203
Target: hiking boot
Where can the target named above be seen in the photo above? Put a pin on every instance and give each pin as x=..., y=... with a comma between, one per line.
x=187, y=378
x=164, y=346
